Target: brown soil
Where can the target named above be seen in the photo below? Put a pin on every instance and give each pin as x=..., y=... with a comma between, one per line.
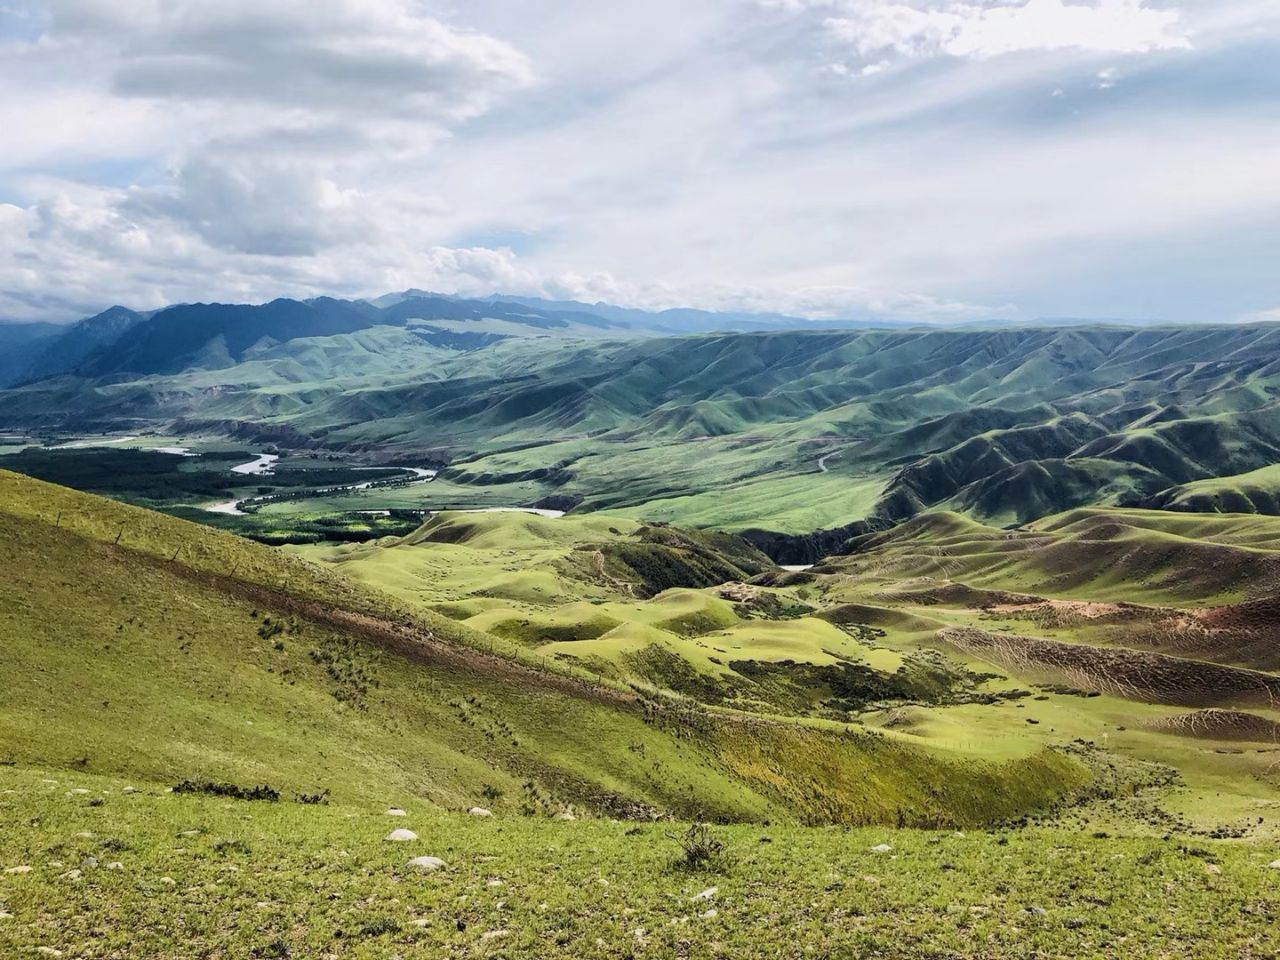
x=1135, y=675
x=1216, y=724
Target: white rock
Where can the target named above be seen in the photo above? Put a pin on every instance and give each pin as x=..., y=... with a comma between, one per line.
x=480, y=812
x=713, y=912
x=115, y=865
x=566, y=816
x=49, y=951
x=85, y=835
x=495, y=882
x=72, y=875
x=5, y=916
x=708, y=893
x=881, y=848
x=401, y=835
x=427, y=863
x=1212, y=869
x=129, y=790
x=1274, y=865
x=22, y=869
x=168, y=882
x=396, y=812
x=421, y=922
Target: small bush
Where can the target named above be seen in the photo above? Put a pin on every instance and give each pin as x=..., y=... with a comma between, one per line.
x=313, y=799
x=699, y=849
x=228, y=790
x=378, y=927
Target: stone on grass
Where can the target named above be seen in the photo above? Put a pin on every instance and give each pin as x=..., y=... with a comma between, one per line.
x=427, y=863
x=5, y=916
x=707, y=894
x=396, y=812
x=1274, y=865
x=21, y=869
x=710, y=914
x=480, y=812
x=881, y=848
x=129, y=790
x=401, y=835
x=115, y=865
x=168, y=882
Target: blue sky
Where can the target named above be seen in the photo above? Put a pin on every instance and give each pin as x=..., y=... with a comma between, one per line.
x=943, y=160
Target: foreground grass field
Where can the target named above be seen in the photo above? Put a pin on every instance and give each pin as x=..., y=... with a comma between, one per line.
x=156, y=874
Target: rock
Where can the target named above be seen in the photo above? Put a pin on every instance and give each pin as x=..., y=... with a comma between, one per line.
x=1212, y=869
x=1073, y=923
x=421, y=922
x=115, y=865
x=1274, y=865
x=5, y=916
x=85, y=835
x=396, y=812
x=71, y=875
x=401, y=836
x=89, y=863
x=713, y=912
x=77, y=792
x=129, y=790
x=566, y=816
x=495, y=882
x=168, y=882
x=22, y=869
x=49, y=951
x=480, y=812
x=881, y=848
x=1036, y=911
x=427, y=863
x=707, y=894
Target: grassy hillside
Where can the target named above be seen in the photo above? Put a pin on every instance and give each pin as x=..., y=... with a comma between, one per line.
x=166, y=875
x=941, y=632
x=788, y=431
x=139, y=645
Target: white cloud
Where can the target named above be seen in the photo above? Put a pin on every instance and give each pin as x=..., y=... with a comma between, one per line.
x=680, y=151
x=982, y=30
x=370, y=58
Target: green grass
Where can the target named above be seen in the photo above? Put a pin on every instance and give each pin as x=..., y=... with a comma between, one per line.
x=181, y=652
x=203, y=877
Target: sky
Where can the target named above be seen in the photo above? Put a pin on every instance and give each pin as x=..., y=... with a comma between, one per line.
x=919, y=160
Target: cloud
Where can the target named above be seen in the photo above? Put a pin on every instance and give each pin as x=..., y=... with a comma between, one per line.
x=984, y=30
x=260, y=206
x=742, y=155
x=361, y=58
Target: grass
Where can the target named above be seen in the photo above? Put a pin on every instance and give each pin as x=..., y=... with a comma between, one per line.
x=204, y=877
x=183, y=653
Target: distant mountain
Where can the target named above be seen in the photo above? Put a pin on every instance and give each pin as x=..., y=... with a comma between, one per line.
x=21, y=344
x=120, y=342
x=70, y=346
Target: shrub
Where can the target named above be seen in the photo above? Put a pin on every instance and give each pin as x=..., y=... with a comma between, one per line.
x=698, y=848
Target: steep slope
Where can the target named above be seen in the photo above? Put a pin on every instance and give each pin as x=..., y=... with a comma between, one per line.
x=142, y=646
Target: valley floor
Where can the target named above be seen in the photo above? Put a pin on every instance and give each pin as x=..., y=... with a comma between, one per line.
x=115, y=873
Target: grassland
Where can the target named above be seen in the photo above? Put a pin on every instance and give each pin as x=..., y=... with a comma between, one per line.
x=140, y=645
x=160, y=875
x=790, y=431
x=894, y=636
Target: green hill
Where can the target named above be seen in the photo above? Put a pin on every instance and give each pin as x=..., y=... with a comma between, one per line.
x=145, y=647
